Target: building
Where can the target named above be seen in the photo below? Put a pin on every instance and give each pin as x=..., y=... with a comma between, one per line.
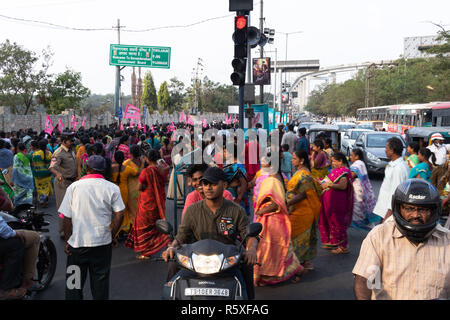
x=414, y=47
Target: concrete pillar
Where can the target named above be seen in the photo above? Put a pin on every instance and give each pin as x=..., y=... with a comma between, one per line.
x=332, y=77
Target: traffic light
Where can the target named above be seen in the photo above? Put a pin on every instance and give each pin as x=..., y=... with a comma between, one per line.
x=240, y=39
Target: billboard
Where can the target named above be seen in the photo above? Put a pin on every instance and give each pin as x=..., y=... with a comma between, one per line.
x=261, y=71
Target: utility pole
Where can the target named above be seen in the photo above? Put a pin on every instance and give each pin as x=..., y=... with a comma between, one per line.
x=117, y=94
x=195, y=80
x=261, y=49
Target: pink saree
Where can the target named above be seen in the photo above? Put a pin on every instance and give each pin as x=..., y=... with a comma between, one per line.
x=336, y=211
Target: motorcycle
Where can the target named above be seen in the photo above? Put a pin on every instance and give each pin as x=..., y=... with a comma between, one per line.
x=28, y=218
x=209, y=268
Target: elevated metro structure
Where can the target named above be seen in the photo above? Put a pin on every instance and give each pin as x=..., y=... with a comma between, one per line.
x=299, y=90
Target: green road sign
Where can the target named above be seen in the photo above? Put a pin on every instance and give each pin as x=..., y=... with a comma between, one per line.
x=139, y=56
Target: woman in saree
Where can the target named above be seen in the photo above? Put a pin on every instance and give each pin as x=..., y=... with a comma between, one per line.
x=124, y=146
x=364, y=199
x=120, y=176
x=40, y=161
x=303, y=201
x=136, y=163
x=22, y=177
x=319, y=163
x=337, y=206
x=144, y=237
x=166, y=152
x=275, y=252
x=424, y=168
x=413, y=150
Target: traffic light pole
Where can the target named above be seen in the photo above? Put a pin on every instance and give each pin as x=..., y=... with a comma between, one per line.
x=241, y=106
x=261, y=26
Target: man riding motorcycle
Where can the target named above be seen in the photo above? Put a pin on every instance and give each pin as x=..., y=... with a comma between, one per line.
x=18, y=252
x=218, y=219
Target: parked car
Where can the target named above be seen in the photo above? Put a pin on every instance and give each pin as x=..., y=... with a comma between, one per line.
x=349, y=138
x=373, y=146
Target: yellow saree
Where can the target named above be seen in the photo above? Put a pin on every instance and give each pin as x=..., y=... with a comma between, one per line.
x=304, y=215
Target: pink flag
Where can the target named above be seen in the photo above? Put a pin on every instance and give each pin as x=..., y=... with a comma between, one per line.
x=235, y=120
x=121, y=125
x=153, y=129
x=204, y=123
x=182, y=117
x=74, y=123
x=190, y=121
x=48, y=125
x=145, y=129
x=60, y=126
x=83, y=124
x=132, y=112
x=172, y=127
x=139, y=125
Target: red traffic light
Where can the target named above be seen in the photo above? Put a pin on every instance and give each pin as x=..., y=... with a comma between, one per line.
x=240, y=22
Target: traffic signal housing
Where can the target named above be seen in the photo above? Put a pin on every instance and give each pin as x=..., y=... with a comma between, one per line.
x=240, y=39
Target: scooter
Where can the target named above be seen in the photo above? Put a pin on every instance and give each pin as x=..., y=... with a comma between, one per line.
x=209, y=268
x=28, y=218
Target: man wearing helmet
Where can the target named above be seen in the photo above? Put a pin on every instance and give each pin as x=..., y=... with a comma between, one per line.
x=406, y=257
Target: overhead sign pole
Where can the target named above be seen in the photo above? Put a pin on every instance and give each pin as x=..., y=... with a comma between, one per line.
x=117, y=93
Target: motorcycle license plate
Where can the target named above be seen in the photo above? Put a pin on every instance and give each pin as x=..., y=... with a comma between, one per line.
x=212, y=292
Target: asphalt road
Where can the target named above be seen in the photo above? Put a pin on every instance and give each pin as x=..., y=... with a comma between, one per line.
x=133, y=279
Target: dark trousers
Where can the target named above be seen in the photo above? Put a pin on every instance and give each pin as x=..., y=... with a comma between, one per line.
x=11, y=258
x=98, y=261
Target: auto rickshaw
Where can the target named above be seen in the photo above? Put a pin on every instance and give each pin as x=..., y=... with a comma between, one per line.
x=329, y=131
x=422, y=135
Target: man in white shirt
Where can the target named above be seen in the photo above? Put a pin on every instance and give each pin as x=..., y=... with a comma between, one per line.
x=395, y=173
x=93, y=212
x=290, y=138
x=440, y=151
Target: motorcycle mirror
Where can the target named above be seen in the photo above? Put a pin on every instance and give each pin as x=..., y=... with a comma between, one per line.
x=163, y=226
x=5, y=171
x=254, y=229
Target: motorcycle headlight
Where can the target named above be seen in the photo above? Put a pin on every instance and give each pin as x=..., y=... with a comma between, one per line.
x=207, y=264
x=372, y=157
x=184, y=261
x=230, y=261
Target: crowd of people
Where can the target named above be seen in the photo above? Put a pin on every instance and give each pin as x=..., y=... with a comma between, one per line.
x=315, y=193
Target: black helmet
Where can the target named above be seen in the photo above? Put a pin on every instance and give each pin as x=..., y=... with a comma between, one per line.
x=416, y=192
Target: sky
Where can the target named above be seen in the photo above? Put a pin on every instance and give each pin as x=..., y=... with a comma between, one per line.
x=335, y=32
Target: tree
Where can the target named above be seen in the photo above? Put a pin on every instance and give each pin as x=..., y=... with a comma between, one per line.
x=177, y=94
x=65, y=92
x=149, y=97
x=20, y=77
x=164, y=98
x=216, y=97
